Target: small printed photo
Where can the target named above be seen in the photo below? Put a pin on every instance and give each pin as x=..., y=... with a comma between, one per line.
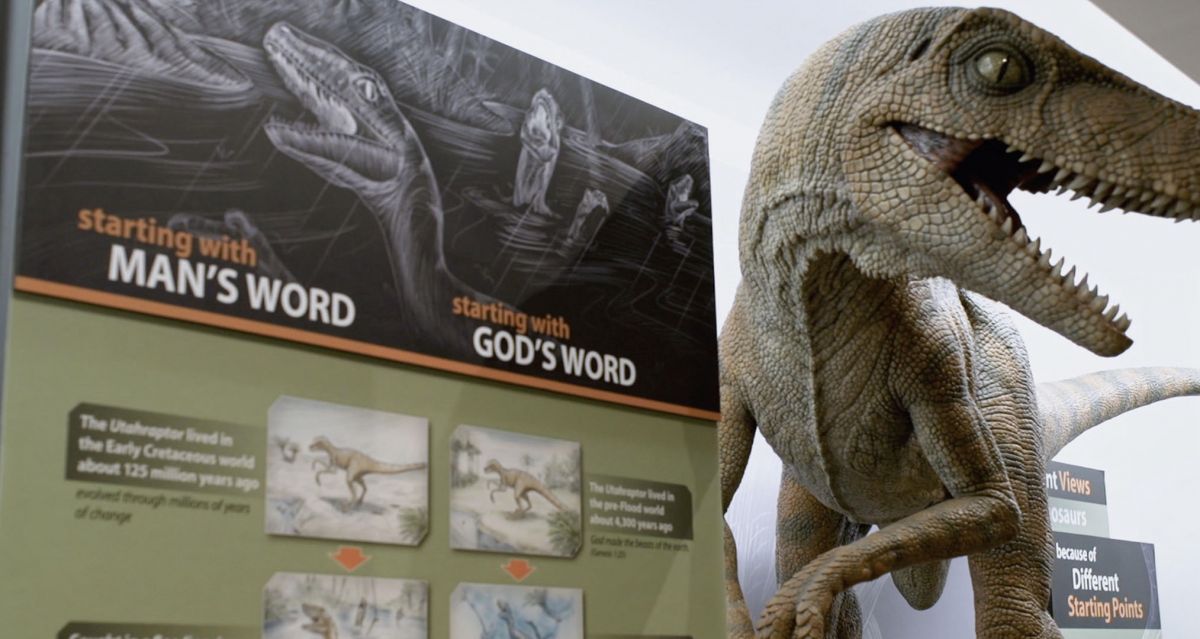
x=331, y=606
x=484, y=611
x=514, y=493
x=347, y=473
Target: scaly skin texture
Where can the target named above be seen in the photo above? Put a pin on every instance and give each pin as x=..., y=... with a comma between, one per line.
x=863, y=342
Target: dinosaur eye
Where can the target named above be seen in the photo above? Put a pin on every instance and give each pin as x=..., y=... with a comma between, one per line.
x=367, y=88
x=1001, y=69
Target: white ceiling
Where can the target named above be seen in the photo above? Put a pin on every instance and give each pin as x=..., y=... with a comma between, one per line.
x=1168, y=26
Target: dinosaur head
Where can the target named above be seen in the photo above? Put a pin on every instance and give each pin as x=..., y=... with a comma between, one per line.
x=353, y=134
x=319, y=443
x=929, y=119
x=492, y=466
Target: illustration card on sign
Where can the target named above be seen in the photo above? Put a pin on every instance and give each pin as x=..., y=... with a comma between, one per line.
x=333, y=607
x=515, y=493
x=485, y=611
x=342, y=472
x=370, y=178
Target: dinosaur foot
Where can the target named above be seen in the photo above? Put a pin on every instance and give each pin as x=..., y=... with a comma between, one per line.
x=800, y=608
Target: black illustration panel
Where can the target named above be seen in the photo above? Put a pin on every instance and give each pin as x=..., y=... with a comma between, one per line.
x=362, y=174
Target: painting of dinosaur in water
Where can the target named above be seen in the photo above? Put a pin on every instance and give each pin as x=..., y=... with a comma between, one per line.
x=360, y=475
x=369, y=149
x=515, y=493
x=308, y=606
x=483, y=611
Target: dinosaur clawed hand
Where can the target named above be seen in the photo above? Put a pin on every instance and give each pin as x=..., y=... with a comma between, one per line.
x=801, y=606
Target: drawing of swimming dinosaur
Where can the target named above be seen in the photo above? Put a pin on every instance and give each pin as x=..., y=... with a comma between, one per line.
x=521, y=484
x=356, y=464
x=321, y=624
x=510, y=621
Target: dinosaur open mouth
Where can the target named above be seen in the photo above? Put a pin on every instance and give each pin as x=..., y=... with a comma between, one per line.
x=988, y=170
x=328, y=129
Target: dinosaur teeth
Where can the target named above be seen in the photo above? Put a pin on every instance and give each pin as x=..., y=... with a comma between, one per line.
x=1102, y=190
x=1123, y=322
x=1025, y=157
x=1082, y=286
x=1061, y=176
x=1057, y=270
x=1007, y=227
x=1069, y=278
x=1078, y=183
x=1045, y=167
x=1111, y=313
x=1020, y=236
x=1034, y=248
x=1099, y=303
x=1044, y=259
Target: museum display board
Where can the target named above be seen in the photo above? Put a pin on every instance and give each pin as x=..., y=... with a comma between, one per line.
x=1101, y=587
x=446, y=364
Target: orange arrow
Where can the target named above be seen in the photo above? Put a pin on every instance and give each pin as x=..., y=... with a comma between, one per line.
x=519, y=569
x=350, y=557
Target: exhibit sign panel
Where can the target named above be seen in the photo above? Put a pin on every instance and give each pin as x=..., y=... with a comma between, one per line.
x=1104, y=588
x=372, y=179
x=523, y=256
x=1077, y=498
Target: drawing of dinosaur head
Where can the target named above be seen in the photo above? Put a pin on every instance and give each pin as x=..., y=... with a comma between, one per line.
x=493, y=466
x=359, y=139
x=314, y=612
x=505, y=610
x=899, y=142
x=319, y=443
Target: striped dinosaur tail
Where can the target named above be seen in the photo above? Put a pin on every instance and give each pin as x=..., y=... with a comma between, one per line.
x=1072, y=406
x=550, y=497
x=395, y=469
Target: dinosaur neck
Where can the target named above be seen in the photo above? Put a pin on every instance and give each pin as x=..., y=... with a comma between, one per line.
x=842, y=307
x=412, y=221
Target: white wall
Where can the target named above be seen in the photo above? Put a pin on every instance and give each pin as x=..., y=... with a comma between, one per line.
x=719, y=64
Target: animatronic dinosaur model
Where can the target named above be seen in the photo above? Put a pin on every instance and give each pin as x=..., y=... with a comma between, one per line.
x=357, y=466
x=521, y=484
x=863, y=342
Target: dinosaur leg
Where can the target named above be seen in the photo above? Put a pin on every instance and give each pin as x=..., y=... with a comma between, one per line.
x=363, y=485
x=350, y=479
x=1012, y=581
x=519, y=495
x=805, y=528
x=324, y=471
x=735, y=436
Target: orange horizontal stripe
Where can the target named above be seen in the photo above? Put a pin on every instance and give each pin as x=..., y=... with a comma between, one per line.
x=125, y=302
